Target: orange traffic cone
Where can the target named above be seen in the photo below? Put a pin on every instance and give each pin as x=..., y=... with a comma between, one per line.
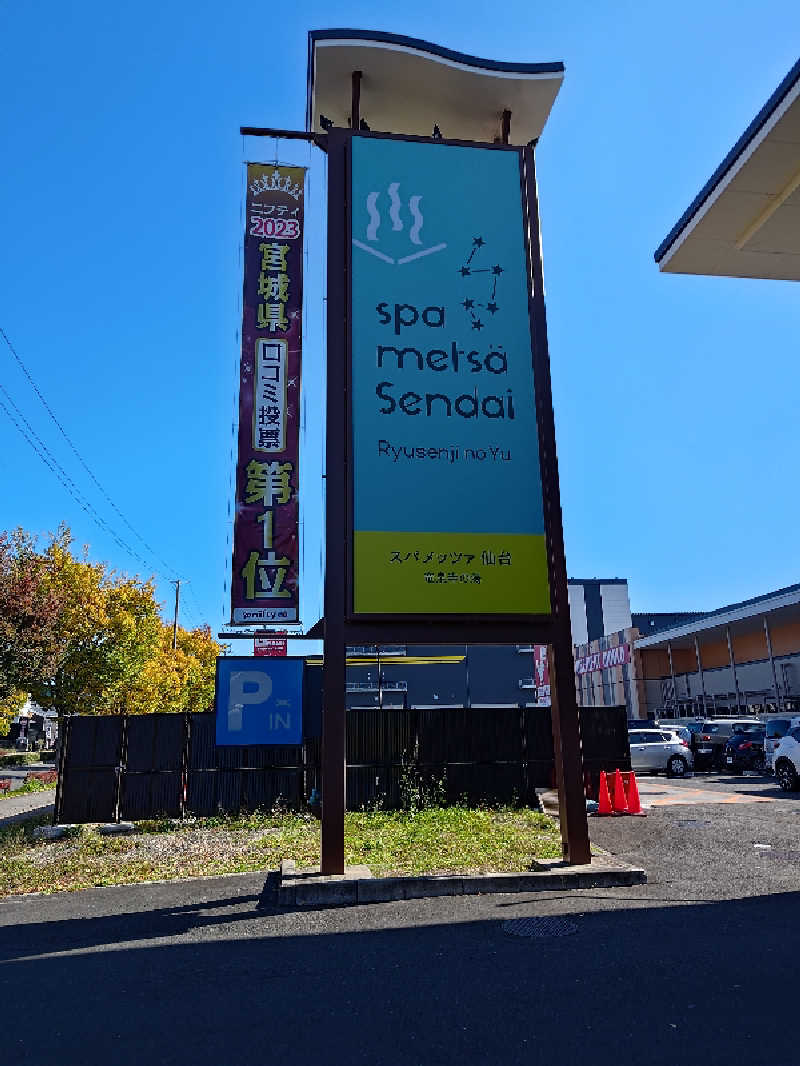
x=603, y=798
x=634, y=806
x=620, y=801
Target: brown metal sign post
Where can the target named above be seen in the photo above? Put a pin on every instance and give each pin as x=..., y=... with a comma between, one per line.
x=564, y=705
x=334, y=717
x=396, y=202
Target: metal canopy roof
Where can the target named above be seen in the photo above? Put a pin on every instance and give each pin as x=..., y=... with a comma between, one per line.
x=782, y=606
x=745, y=221
x=409, y=85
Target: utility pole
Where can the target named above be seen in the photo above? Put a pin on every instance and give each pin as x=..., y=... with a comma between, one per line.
x=177, y=585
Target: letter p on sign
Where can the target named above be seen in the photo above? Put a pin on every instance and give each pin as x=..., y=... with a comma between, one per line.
x=246, y=686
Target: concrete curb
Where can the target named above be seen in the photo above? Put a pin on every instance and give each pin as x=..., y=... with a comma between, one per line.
x=309, y=888
x=548, y=798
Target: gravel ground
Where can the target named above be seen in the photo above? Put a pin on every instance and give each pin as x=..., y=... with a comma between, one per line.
x=203, y=845
x=437, y=840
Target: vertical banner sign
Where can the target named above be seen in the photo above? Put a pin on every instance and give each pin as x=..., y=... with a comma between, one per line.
x=447, y=494
x=266, y=556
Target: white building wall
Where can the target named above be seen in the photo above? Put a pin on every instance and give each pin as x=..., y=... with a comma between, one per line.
x=616, y=607
x=577, y=613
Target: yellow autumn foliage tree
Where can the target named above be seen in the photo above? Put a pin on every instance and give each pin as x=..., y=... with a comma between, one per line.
x=11, y=703
x=176, y=679
x=108, y=628
x=99, y=645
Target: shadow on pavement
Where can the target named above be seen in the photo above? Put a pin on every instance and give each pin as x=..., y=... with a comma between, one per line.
x=78, y=934
x=630, y=985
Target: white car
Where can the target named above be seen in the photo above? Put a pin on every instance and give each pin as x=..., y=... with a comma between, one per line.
x=787, y=760
x=659, y=751
x=776, y=726
x=679, y=731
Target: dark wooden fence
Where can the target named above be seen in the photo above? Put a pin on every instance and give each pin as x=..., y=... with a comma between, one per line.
x=146, y=766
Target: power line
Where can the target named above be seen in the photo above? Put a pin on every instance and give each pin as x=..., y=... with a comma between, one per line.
x=26, y=430
x=82, y=461
x=194, y=606
x=44, y=453
x=50, y=461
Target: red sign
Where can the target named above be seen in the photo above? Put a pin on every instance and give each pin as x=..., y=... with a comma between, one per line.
x=273, y=647
x=604, y=660
x=541, y=675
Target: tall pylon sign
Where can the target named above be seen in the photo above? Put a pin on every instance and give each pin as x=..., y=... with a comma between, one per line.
x=442, y=515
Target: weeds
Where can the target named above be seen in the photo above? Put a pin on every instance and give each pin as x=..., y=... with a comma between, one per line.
x=420, y=791
x=429, y=839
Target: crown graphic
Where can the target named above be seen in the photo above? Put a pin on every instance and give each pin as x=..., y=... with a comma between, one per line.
x=275, y=183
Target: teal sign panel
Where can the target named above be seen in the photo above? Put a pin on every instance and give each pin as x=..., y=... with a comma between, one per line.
x=447, y=492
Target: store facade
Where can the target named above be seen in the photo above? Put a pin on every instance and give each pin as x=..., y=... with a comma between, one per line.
x=740, y=659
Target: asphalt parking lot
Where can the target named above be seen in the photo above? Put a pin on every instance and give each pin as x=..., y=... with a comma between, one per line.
x=17, y=774
x=212, y=971
x=657, y=790
x=709, y=836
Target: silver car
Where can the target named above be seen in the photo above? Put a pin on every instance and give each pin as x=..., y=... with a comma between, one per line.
x=659, y=751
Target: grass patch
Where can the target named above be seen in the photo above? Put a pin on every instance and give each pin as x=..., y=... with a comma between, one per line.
x=442, y=840
x=435, y=840
x=19, y=758
x=31, y=785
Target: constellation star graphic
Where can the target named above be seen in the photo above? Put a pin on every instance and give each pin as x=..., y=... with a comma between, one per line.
x=470, y=270
x=476, y=244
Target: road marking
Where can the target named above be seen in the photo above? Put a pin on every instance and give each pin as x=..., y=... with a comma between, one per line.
x=688, y=796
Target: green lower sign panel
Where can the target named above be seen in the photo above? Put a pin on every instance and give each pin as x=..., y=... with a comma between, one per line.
x=450, y=573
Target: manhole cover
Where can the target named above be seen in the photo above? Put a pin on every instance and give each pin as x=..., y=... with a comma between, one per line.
x=539, y=927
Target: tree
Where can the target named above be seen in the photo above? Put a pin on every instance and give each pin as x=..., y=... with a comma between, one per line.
x=177, y=679
x=83, y=639
x=29, y=612
x=106, y=630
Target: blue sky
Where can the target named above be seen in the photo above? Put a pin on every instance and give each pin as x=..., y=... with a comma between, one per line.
x=120, y=193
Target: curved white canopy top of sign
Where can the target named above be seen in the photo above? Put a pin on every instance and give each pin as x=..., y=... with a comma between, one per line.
x=745, y=221
x=408, y=86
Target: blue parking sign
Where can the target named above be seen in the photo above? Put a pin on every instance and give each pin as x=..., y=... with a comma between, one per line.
x=259, y=701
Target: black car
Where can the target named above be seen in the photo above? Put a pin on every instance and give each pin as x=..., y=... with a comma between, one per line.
x=745, y=750
x=708, y=744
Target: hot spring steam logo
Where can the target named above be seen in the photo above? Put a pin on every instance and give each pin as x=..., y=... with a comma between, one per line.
x=375, y=203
